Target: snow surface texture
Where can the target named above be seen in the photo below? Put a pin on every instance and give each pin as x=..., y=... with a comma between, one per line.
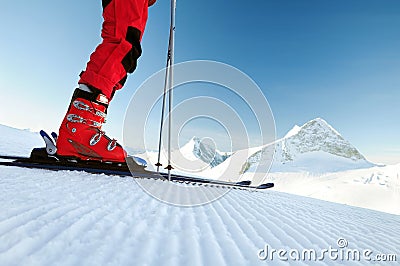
x=73, y=218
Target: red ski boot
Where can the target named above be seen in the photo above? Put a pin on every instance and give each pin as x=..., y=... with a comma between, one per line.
x=80, y=134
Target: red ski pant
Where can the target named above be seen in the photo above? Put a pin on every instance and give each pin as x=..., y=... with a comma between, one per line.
x=122, y=30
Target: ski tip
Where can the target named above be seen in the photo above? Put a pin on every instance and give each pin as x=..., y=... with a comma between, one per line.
x=266, y=185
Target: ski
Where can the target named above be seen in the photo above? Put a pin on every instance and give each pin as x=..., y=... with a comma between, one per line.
x=39, y=159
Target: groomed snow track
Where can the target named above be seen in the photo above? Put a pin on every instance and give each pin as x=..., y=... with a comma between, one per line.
x=74, y=218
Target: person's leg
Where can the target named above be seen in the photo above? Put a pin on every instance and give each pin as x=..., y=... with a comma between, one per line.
x=80, y=133
x=123, y=27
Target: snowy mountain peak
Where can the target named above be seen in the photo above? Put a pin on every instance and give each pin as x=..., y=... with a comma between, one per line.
x=292, y=132
x=316, y=136
x=316, y=124
x=313, y=147
x=203, y=149
x=319, y=124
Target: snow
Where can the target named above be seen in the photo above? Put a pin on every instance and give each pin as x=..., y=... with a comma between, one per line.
x=71, y=218
x=75, y=218
x=376, y=188
x=18, y=142
x=292, y=132
x=319, y=162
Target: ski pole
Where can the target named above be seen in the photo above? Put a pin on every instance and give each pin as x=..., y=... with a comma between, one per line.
x=170, y=84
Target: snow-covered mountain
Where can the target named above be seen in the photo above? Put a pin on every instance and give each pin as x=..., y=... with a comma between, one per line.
x=194, y=157
x=315, y=147
x=315, y=136
x=204, y=150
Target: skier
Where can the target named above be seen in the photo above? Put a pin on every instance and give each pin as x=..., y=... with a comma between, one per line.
x=80, y=135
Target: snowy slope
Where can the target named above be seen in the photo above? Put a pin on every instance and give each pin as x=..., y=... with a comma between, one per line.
x=376, y=188
x=18, y=142
x=71, y=218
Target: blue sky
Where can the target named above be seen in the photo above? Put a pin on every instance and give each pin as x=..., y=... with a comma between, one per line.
x=339, y=60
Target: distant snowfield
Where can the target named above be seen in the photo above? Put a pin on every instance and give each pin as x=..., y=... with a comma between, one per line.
x=376, y=188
